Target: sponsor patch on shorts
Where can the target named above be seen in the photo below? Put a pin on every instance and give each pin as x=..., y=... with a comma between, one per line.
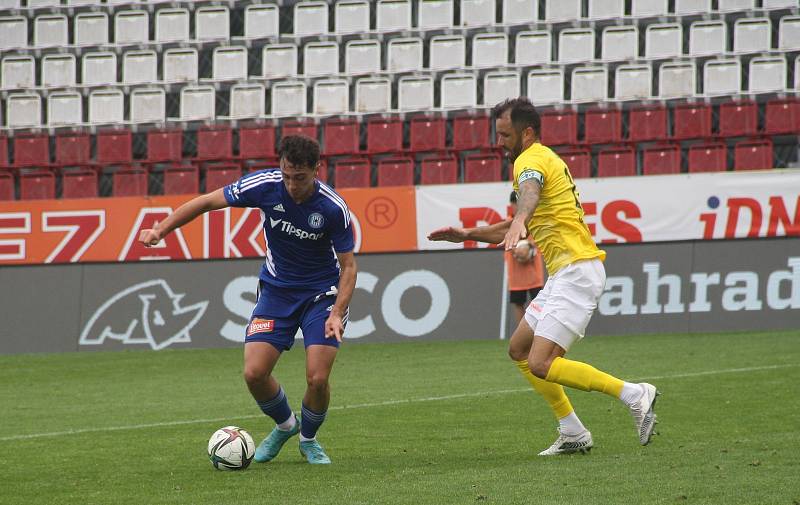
x=259, y=325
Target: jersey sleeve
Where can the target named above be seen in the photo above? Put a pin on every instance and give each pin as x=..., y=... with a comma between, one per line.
x=250, y=190
x=341, y=231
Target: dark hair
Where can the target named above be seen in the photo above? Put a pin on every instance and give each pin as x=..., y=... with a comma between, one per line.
x=299, y=150
x=523, y=114
x=513, y=197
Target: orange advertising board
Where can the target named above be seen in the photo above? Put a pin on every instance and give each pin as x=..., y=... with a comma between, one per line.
x=106, y=229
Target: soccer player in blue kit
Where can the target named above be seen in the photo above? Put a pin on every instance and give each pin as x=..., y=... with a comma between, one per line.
x=306, y=282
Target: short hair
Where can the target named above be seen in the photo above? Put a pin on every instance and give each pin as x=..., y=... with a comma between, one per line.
x=299, y=150
x=523, y=114
x=513, y=197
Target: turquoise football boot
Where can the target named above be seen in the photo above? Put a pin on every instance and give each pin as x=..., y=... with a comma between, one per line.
x=271, y=446
x=314, y=452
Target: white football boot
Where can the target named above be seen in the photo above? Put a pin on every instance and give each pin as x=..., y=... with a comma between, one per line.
x=643, y=412
x=568, y=444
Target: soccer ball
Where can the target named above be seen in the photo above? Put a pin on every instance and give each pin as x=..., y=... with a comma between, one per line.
x=231, y=448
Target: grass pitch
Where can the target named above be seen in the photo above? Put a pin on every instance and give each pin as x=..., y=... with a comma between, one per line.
x=412, y=423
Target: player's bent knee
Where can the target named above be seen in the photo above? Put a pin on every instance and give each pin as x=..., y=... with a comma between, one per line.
x=539, y=368
x=255, y=375
x=517, y=354
x=317, y=382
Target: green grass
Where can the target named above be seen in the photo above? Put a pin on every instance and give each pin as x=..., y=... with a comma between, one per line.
x=727, y=435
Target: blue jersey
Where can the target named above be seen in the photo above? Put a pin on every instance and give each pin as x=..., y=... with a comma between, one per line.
x=302, y=239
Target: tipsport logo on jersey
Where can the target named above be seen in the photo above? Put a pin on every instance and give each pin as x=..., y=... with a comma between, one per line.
x=290, y=229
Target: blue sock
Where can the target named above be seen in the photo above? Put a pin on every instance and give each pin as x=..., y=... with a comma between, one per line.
x=277, y=408
x=311, y=421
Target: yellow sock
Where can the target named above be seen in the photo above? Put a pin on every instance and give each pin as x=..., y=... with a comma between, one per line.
x=552, y=393
x=583, y=376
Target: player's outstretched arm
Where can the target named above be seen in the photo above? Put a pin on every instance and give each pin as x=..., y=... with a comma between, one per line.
x=334, y=325
x=527, y=200
x=492, y=234
x=182, y=215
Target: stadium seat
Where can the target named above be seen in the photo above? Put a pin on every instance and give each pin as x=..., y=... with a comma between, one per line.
x=90, y=29
x=489, y=50
x=279, y=60
x=738, y=118
x=431, y=15
x=619, y=43
x=520, y=11
x=782, y=116
x=533, y=47
x=458, y=91
x=708, y=157
x=310, y=18
x=352, y=173
x=362, y=57
x=17, y=72
x=602, y=126
x=447, y=52
x=58, y=70
x=415, y=93
x=180, y=64
x=661, y=159
x=212, y=22
x=691, y=120
x=106, y=106
x=214, y=143
x=131, y=27
x=767, y=74
x=198, y=103
x=73, y=149
x=649, y=8
x=3, y=151
x=352, y=16
x=172, y=25
x=373, y=94
x=320, y=59
x=735, y=5
x=79, y=184
x=616, y=161
x=261, y=21
x=752, y=35
x=608, y=9
x=148, y=105
x=341, y=136
x=23, y=110
x=753, y=155
x=476, y=13
x=499, y=86
x=393, y=15
x=404, y=55
x=647, y=123
x=707, y=38
x=288, y=98
x=331, y=97
x=633, y=82
x=247, y=100
x=575, y=45
x=677, y=80
x=579, y=162
x=181, y=180
x=164, y=145
x=15, y=32
x=688, y=7
x=789, y=33
x=37, y=185
x=31, y=150
x=562, y=10
x=6, y=186
x=663, y=40
x=470, y=132
x=482, y=167
x=64, y=108
x=256, y=141
x=114, y=147
x=299, y=127
x=778, y=4
x=722, y=77
x=439, y=169
x=546, y=86
x=426, y=134
x=129, y=181
x=229, y=63
x=50, y=30
x=384, y=135
x=589, y=84
x=559, y=127
x=396, y=171
x=221, y=174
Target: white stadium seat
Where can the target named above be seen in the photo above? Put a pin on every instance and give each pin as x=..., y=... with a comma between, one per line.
x=722, y=77
x=288, y=99
x=139, y=67
x=663, y=40
x=520, y=11
x=131, y=27
x=106, y=106
x=404, y=55
x=752, y=35
x=50, y=30
x=446, y=52
x=64, y=108
x=393, y=15
x=310, y=18
x=352, y=16
x=735, y=5
x=362, y=57
x=279, y=60
x=789, y=33
x=797, y=73
x=148, y=105
x=83, y=3
x=91, y=29
x=435, y=14
x=500, y=85
x=489, y=50
x=562, y=10
x=779, y=4
x=18, y=72
x=36, y=4
x=589, y=84
x=546, y=86
x=633, y=82
x=415, y=93
x=212, y=23
x=684, y=7
x=229, y=63
x=707, y=38
x=458, y=91
x=606, y=9
x=197, y=103
x=23, y=110
x=331, y=96
x=247, y=101
x=373, y=94
x=261, y=20
x=648, y=8
x=98, y=68
x=320, y=58
x=10, y=4
x=180, y=64
x=59, y=71
x=677, y=80
x=767, y=74
x=575, y=45
x=477, y=12
x=13, y=32
x=172, y=25
x=619, y=43
x=533, y=48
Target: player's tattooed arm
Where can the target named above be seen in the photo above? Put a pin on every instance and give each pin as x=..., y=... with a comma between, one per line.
x=527, y=200
x=182, y=215
x=492, y=234
x=334, y=325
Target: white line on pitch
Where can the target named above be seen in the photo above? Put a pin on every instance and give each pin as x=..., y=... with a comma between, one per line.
x=369, y=405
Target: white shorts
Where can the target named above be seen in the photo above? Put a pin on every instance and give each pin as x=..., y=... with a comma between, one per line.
x=562, y=309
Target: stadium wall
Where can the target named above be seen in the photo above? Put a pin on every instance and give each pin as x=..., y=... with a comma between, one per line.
x=689, y=286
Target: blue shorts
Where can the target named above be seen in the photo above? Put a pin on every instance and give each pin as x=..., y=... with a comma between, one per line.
x=280, y=312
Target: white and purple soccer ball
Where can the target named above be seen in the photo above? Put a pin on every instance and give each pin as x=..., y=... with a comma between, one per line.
x=231, y=448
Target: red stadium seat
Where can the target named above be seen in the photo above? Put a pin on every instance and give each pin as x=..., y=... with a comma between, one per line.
x=440, y=169
x=352, y=173
x=268, y=164
x=342, y=136
x=164, y=146
x=396, y=171
x=579, y=162
x=114, y=146
x=782, y=117
x=221, y=174
x=324, y=173
x=31, y=150
x=753, y=155
x=691, y=120
x=616, y=161
x=471, y=132
x=256, y=142
x=79, y=184
x=6, y=185
x=214, y=143
x=384, y=135
x=647, y=123
x=181, y=180
x=661, y=159
x=559, y=127
x=73, y=149
x=738, y=119
x=293, y=127
x=426, y=134
x=602, y=126
x=3, y=151
x=37, y=185
x=129, y=181
x=482, y=167
x=708, y=157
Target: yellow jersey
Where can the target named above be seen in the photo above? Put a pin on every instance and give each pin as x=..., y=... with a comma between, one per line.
x=557, y=224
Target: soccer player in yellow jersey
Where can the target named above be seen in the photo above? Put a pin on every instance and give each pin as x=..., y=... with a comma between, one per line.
x=549, y=209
